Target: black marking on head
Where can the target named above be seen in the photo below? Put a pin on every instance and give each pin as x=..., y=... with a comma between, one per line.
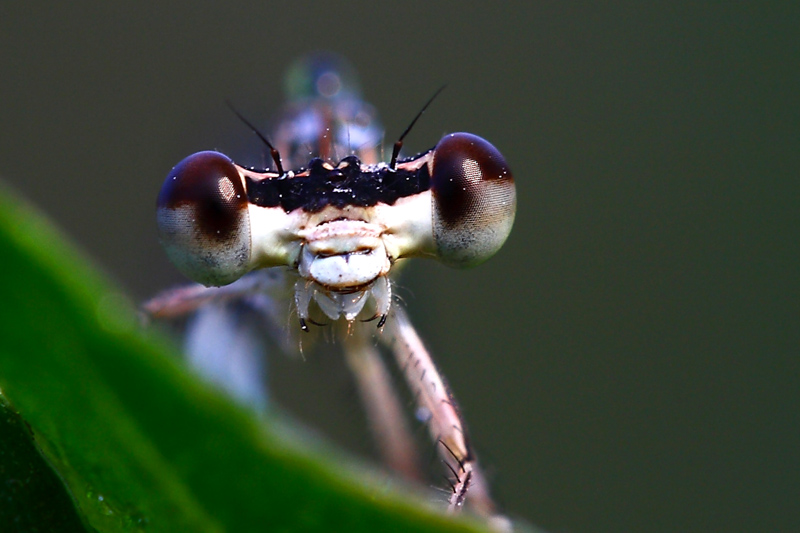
x=349, y=184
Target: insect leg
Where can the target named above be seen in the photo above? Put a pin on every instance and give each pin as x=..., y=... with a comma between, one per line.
x=227, y=331
x=181, y=301
x=444, y=422
x=381, y=402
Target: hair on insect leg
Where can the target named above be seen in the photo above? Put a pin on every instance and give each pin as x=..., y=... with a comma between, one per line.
x=455, y=457
x=445, y=491
x=453, y=470
x=374, y=317
x=371, y=319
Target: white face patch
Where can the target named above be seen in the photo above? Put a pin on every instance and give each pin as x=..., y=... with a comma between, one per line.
x=343, y=254
x=343, y=271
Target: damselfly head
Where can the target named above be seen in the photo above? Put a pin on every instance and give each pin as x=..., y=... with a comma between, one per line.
x=340, y=227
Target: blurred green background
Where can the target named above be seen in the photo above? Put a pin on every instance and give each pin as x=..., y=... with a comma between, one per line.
x=630, y=359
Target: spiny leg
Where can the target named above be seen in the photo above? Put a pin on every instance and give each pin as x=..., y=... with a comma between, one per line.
x=445, y=424
x=181, y=301
x=381, y=402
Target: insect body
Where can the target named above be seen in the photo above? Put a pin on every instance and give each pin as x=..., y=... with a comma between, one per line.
x=339, y=225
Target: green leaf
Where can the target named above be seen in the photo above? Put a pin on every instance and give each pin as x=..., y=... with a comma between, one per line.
x=138, y=442
x=32, y=497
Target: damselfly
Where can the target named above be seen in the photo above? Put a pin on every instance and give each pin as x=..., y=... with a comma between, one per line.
x=335, y=223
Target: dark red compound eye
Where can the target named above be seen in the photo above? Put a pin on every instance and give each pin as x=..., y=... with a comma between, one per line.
x=474, y=199
x=203, y=219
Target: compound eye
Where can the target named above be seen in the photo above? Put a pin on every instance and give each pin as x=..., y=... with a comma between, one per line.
x=203, y=219
x=474, y=199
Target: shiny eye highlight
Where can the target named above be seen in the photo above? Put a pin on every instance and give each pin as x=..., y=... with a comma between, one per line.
x=203, y=219
x=474, y=199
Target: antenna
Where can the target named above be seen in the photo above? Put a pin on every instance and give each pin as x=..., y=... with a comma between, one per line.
x=399, y=144
x=276, y=156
